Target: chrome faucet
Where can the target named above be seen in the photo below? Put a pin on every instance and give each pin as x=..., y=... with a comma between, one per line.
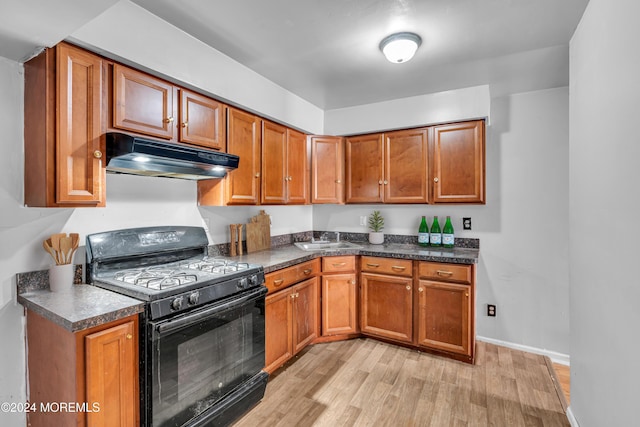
x=337, y=236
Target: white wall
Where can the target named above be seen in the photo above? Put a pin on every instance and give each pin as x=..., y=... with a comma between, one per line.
x=460, y=104
x=523, y=228
x=604, y=211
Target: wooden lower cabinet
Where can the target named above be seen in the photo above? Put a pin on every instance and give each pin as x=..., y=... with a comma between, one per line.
x=444, y=319
x=291, y=319
x=96, y=369
x=339, y=296
x=446, y=304
x=386, y=308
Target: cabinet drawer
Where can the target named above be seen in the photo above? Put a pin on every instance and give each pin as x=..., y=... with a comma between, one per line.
x=287, y=276
x=460, y=273
x=338, y=263
x=397, y=267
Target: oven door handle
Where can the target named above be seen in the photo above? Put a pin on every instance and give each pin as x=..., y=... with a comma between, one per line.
x=172, y=325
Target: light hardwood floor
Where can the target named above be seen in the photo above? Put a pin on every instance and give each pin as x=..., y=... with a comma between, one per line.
x=363, y=382
x=564, y=379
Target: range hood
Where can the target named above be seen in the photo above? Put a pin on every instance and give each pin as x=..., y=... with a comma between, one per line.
x=143, y=156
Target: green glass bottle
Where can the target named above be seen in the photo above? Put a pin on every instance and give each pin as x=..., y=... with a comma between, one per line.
x=423, y=233
x=435, y=237
x=448, y=238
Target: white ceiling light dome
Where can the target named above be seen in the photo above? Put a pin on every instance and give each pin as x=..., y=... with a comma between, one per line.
x=400, y=47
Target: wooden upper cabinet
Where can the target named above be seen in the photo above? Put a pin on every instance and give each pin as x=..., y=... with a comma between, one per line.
x=243, y=184
x=405, y=166
x=284, y=165
x=143, y=103
x=274, y=163
x=202, y=121
x=458, y=171
x=327, y=169
x=364, y=169
x=64, y=124
x=297, y=168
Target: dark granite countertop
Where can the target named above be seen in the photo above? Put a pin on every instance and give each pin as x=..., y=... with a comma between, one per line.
x=82, y=307
x=285, y=256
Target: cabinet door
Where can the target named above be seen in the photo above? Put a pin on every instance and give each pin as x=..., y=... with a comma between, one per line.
x=339, y=304
x=458, y=163
x=278, y=321
x=306, y=315
x=142, y=103
x=112, y=376
x=243, y=184
x=386, y=306
x=297, y=177
x=79, y=168
x=202, y=121
x=405, y=172
x=327, y=169
x=274, y=163
x=364, y=169
x=445, y=316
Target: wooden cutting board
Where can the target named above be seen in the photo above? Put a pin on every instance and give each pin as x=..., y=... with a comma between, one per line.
x=259, y=232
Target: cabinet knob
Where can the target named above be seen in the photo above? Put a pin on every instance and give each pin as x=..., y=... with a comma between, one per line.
x=168, y=120
x=185, y=124
x=466, y=294
x=338, y=181
x=436, y=179
x=352, y=281
x=420, y=290
x=386, y=182
x=380, y=182
x=258, y=175
x=408, y=287
x=129, y=336
x=97, y=154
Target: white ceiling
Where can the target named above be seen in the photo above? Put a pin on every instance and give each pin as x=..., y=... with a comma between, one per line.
x=326, y=51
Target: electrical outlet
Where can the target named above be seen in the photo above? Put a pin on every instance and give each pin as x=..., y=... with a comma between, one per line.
x=491, y=310
x=363, y=220
x=466, y=223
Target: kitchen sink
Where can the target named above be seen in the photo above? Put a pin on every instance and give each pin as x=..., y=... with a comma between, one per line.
x=325, y=245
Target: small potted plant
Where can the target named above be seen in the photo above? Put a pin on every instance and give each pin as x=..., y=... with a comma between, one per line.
x=376, y=224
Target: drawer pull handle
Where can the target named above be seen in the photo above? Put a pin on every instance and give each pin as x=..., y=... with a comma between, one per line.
x=398, y=267
x=307, y=271
x=339, y=264
x=372, y=265
x=408, y=287
x=278, y=282
x=444, y=273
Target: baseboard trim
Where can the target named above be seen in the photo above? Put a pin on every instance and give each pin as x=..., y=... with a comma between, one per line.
x=561, y=358
x=572, y=419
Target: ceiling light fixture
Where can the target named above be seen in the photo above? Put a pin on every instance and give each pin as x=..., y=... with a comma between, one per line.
x=400, y=47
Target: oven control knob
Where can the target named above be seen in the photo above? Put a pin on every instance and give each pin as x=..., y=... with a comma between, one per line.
x=253, y=280
x=242, y=283
x=194, y=298
x=176, y=304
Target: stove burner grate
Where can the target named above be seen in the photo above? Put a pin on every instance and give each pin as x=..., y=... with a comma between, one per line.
x=155, y=277
x=216, y=266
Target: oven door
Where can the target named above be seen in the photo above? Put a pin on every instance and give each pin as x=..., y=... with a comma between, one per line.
x=201, y=358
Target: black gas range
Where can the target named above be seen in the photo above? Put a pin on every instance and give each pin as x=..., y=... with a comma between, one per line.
x=202, y=333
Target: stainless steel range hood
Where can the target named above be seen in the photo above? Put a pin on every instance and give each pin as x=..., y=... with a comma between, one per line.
x=143, y=156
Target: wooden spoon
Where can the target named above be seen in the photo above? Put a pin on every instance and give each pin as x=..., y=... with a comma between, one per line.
x=46, y=244
x=65, y=249
x=55, y=245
